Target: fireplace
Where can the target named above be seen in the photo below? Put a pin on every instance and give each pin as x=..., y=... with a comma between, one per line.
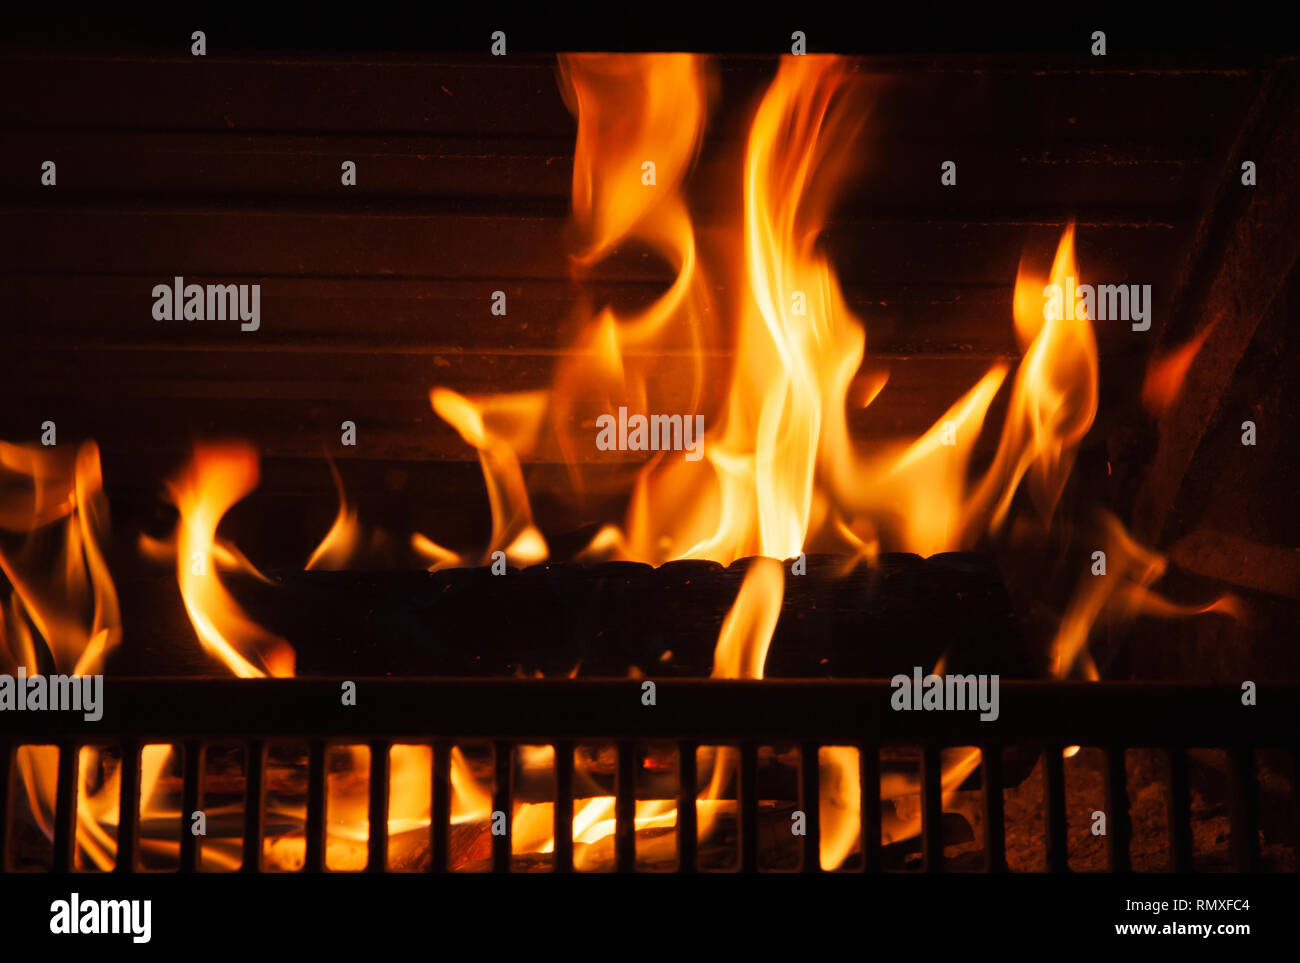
x=535, y=465
x=748, y=718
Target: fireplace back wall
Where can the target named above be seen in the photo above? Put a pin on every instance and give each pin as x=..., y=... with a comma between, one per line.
x=227, y=170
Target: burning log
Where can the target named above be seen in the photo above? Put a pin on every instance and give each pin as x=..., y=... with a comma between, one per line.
x=610, y=619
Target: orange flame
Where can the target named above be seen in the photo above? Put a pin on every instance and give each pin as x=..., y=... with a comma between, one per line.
x=1166, y=374
x=1120, y=593
x=217, y=477
x=1053, y=400
x=498, y=427
x=61, y=618
x=779, y=465
x=340, y=542
x=75, y=611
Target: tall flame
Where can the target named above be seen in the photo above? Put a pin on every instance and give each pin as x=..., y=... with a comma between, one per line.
x=1053, y=399
x=60, y=618
x=217, y=477
x=74, y=610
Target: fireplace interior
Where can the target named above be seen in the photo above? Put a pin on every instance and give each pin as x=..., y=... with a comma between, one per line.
x=521, y=693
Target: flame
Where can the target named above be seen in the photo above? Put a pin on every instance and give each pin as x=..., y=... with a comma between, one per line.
x=217, y=477
x=1120, y=594
x=74, y=611
x=499, y=427
x=61, y=618
x=1053, y=399
x=1166, y=374
x=633, y=112
x=340, y=542
x=780, y=468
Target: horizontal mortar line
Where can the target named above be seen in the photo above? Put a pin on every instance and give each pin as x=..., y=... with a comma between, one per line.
x=162, y=276
x=114, y=207
x=519, y=61
x=560, y=145
x=532, y=61
x=835, y=226
x=994, y=287
x=320, y=132
x=417, y=155
x=341, y=278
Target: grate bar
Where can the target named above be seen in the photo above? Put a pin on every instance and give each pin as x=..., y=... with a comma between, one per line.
x=995, y=829
x=502, y=759
x=687, y=822
x=1244, y=801
x=254, y=806
x=810, y=803
x=315, y=829
x=564, y=806
x=377, y=840
x=440, y=806
x=625, y=808
x=747, y=807
x=1180, y=813
x=711, y=711
x=128, y=823
x=65, y=807
x=869, y=766
x=1054, y=806
x=931, y=809
x=191, y=801
x=1119, y=828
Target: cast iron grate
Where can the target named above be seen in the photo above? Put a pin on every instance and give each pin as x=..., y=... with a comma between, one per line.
x=1047, y=716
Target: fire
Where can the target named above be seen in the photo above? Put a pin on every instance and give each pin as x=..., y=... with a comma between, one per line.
x=60, y=618
x=219, y=476
x=340, y=543
x=1053, y=399
x=1166, y=374
x=1121, y=595
x=772, y=374
x=498, y=427
x=780, y=468
x=74, y=611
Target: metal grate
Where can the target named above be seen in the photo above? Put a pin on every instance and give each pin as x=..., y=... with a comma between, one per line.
x=811, y=714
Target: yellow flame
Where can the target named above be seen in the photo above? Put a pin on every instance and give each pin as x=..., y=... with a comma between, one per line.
x=1053, y=399
x=499, y=427
x=217, y=477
